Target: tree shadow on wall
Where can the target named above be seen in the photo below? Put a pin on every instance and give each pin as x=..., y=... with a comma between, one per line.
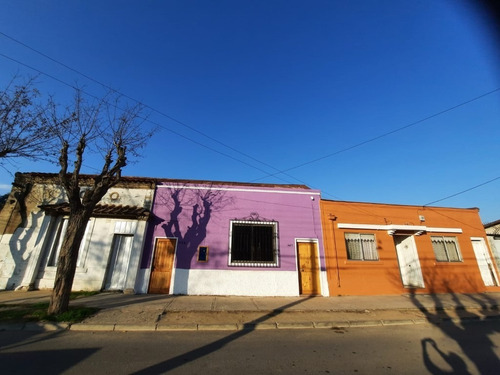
x=22, y=224
x=22, y=233
x=203, y=204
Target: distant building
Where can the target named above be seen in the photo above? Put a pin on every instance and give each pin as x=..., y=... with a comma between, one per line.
x=493, y=233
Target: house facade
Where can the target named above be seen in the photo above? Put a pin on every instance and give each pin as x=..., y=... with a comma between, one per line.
x=223, y=238
x=227, y=238
x=33, y=223
x=377, y=249
x=493, y=232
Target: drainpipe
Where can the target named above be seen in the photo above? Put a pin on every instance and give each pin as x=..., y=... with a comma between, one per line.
x=332, y=218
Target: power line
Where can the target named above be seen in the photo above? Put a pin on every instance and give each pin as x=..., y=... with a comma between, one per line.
x=143, y=118
x=278, y=171
x=463, y=191
x=383, y=134
x=150, y=108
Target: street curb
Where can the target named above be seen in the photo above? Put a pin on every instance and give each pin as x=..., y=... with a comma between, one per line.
x=256, y=326
x=218, y=327
x=135, y=327
x=92, y=327
x=177, y=327
x=295, y=325
x=34, y=326
x=275, y=325
x=83, y=327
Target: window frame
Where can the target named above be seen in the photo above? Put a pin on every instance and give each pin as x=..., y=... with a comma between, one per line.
x=56, y=236
x=363, y=253
x=255, y=263
x=444, y=241
x=57, y=232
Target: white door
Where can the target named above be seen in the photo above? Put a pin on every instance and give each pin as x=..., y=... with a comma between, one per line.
x=409, y=265
x=486, y=267
x=118, y=262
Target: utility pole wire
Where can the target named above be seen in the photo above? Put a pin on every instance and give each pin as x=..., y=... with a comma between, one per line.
x=149, y=107
x=145, y=119
x=463, y=191
x=383, y=134
x=278, y=171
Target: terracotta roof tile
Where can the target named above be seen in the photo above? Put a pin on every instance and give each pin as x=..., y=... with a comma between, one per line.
x=153, y=181
x=101, y=210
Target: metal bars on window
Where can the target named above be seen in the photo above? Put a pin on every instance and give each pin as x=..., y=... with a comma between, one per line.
x=253, y=244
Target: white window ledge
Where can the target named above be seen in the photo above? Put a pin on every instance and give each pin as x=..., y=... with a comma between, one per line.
x=395, y=228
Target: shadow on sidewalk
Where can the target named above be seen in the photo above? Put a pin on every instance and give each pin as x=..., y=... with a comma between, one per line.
x=108, y=300
x=203, y=351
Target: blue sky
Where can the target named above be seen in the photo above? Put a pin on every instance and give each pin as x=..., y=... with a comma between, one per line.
x=285, y=83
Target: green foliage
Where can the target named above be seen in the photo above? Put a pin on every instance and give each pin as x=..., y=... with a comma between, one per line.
x=38, y=312
x=82, y=293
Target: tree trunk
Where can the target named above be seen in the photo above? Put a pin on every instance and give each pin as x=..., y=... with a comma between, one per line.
x=68, y=258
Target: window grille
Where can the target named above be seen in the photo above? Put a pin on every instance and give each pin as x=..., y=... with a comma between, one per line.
x=254, y=243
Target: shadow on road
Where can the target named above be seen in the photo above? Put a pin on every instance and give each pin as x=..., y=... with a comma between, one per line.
x=205, y=350
x=45, y=361
x=479, y=350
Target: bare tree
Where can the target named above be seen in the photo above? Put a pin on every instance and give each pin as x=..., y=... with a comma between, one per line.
x=23, y=133
x=100, y=126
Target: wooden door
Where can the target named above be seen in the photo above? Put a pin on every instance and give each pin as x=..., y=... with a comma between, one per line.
x=161, y=269
x=308, y=268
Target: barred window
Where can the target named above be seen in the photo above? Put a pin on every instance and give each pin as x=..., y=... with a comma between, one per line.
x=361, y=246
x=446, y=249
x=253, y=243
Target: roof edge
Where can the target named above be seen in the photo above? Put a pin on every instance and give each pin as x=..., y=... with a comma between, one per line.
x=156, y=181
x=403, y=205
x=491, y=224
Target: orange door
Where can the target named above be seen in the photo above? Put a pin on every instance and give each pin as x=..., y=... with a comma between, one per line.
x=308, y=268
x=161, y=269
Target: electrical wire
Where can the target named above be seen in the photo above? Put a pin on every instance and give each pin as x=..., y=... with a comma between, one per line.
x=383, y=135
x=149, y=107
x=143, y=118
x=463, y=191
x=278, y=171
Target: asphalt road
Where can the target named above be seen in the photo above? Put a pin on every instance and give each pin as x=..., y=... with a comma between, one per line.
x=414, y=349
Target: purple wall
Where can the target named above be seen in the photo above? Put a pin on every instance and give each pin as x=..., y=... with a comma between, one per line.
x=200, y=215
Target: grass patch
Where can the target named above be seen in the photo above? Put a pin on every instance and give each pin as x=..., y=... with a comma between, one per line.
x=82, y=293
x=38, y=312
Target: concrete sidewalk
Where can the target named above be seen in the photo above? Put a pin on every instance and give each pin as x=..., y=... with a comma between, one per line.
x=126, y=312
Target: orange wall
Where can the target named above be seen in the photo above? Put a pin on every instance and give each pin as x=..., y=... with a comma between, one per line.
x=354, y=277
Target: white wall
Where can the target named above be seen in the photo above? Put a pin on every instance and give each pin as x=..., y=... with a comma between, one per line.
x=495, y=248
x=23, y=252
x=18, y=249
x=232, y=282
x=91, y=275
